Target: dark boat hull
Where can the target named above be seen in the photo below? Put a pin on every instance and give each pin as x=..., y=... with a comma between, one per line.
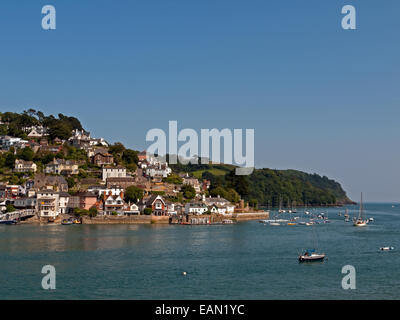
x=8, y=222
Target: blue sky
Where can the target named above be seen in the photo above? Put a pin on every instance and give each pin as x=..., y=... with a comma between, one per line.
x=321, y=99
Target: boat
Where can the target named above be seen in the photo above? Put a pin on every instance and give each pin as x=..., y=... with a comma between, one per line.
x=9, y=222
x=386, y=248
x=280, y=206
x=263, y=221
x=371, y=219
x=67, y=222
x=274, y=224
x=291, y=223
x=361, y=220
x=311, y=256
x=227, y=221
x=346, y=220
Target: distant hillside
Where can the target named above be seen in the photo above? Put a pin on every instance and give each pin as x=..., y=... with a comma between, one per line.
x=267, y=186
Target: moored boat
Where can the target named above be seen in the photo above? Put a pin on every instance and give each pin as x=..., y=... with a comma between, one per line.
x=9, y=222
x=361, y=220
x=311, y=256
x=386, y=248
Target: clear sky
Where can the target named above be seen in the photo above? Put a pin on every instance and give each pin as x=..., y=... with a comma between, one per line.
x=321, y=99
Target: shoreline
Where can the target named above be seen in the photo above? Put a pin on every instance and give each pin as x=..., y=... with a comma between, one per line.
x=149, y=219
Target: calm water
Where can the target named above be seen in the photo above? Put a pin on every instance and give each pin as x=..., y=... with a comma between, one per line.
x=244, y=261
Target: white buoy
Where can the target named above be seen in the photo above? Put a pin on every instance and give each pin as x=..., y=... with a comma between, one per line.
x=184, y=273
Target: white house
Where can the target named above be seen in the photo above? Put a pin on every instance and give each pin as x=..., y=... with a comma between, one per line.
x=63, y=202
x=113, y=204
x=114, y=172
x=160, y=170
x=131, y=209
x=195, y=208
x=219, y=205
x=6, y=142
x=47, y=203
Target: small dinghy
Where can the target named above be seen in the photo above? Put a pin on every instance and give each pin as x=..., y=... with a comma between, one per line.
x=386, y=248
x=311, y=256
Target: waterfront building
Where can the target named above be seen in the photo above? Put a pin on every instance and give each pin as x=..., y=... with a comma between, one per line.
x=156, y=203
x=222, y=205
x=47, y=204
x=195, y=208
x=131, y=209
x=114, y=203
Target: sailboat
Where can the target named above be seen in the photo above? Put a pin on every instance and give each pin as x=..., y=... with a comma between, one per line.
x=294, y=210
x=310, y=255
x=280, y=206
x=361, y=221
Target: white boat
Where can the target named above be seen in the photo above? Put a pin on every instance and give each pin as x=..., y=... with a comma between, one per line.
x=310, y=256
x=361, y=220
x=386, y=248
x=371, y=219
x=274, y=224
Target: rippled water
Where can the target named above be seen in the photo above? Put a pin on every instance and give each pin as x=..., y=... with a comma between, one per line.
x=247, y=260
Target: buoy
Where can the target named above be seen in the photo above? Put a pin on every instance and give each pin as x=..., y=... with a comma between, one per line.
x=184, y=273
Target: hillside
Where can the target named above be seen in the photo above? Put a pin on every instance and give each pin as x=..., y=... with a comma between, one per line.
x=266, y=186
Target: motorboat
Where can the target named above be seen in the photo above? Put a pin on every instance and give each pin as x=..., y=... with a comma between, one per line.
x=311, y=256
x=386, y=248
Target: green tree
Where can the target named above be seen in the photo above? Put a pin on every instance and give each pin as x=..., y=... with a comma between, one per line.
x=188, y=191
x=25, y=154
x=10, y=208
x=93, y=212
x=10, y=160
x=130, y=156
x=133, y=194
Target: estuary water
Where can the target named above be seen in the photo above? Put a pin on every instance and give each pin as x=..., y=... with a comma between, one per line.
x=247, y=260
